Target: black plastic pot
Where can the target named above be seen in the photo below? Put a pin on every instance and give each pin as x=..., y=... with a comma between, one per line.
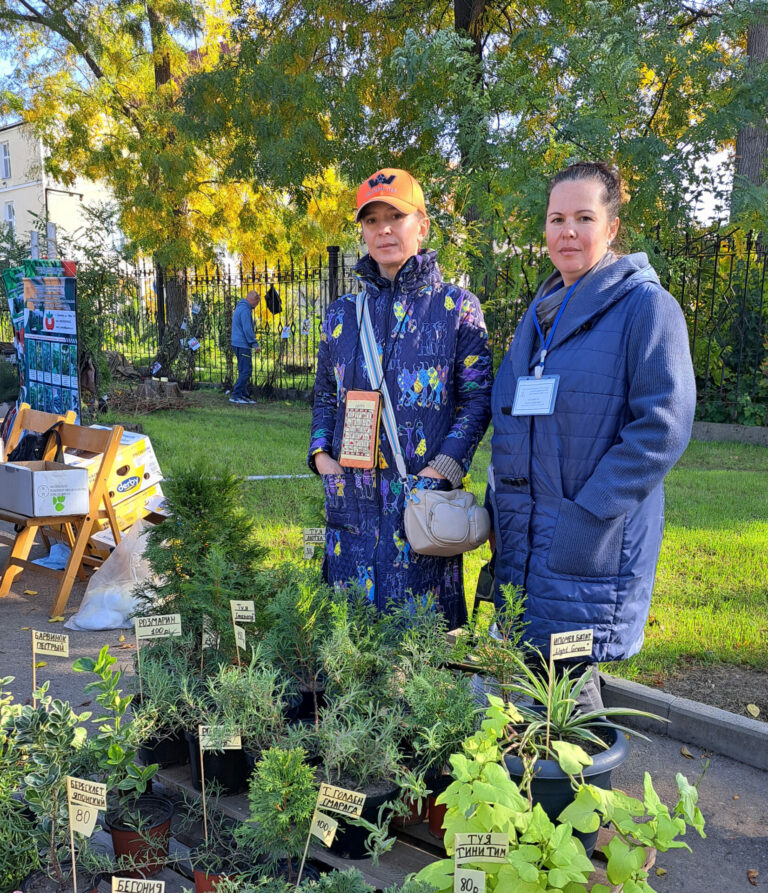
x=229, y=768
x=40, y=882
x=349, y=842
x=301, y=705
x=551, y=787
x=167, y=751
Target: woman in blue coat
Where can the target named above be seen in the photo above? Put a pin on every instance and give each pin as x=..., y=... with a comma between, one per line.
x=432, y=342
x=592, y=406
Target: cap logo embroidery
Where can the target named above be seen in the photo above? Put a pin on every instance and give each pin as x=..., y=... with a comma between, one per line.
x=375, y=181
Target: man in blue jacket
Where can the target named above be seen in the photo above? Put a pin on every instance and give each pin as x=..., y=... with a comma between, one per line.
x=243, y=342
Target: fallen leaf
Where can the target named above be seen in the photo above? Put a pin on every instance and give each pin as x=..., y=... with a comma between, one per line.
x=41, y=663
x=753, y=710
x=121, y=639
x=686, y=753
x=26, y=627
x=58, y=619
x=127, y=645
x=660, y=872
x=30, y=592
x=735, y=796
x=84, y=704
x=752, y=876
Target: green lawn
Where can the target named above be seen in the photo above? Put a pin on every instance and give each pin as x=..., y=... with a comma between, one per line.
x=711, y=596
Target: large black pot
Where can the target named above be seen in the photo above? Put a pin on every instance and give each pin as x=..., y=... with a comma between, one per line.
x=40, y=882
x=551, y=787
x=167, y=751
x=349, y=842
x=229, y=768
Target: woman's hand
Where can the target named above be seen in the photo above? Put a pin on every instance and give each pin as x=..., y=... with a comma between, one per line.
x=430, y=472
x=326, y=464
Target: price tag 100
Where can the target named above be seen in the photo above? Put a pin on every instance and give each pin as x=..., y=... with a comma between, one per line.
x=133, y=885
x=323, y=827
x=467, y=880
x=84, y=800
x=240, y=637
x=159, y=626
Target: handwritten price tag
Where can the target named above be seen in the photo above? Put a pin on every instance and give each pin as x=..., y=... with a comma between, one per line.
x=84, y=800
x=239, y=636
x=242, y=611
x=56, y=644
x=341, y=800
x=480, y=847
x=159, y=626
x=323, y=827
x=211, y=740
x=210, y=636
x=467, y=880
x=577, y=643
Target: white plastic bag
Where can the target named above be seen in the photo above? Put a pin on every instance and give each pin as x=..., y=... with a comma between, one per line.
x=109, y=599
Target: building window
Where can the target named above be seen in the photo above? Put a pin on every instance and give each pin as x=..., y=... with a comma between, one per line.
x=9, y=216
x=5, y=161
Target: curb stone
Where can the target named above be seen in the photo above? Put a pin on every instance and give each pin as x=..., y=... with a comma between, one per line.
x=711, y=728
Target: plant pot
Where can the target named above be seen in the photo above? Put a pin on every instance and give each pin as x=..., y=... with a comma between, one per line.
x=415, y=817
x=301, y=704
x=437, y=783
x=349, y=842
x=206, y=881
x=40, y=882
x=551, y=787
x=166, y=751
x=229, y=768
x=148, y=847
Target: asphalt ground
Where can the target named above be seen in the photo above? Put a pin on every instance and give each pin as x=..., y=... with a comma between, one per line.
x=733, y=792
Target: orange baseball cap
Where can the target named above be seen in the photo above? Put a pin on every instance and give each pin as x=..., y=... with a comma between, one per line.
x=393, y=186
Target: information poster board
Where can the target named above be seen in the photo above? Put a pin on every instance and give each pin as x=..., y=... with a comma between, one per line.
x=49, y=379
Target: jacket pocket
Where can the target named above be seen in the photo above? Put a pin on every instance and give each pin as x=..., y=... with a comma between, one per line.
x=584, y=545
x=341, y=508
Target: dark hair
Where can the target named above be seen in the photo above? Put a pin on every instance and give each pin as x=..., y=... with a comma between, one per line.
x=594, y=170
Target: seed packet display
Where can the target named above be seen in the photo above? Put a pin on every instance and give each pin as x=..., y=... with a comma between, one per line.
x=360, y=437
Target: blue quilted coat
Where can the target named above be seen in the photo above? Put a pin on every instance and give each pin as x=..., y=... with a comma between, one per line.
x=433, y=344
x=577, y=496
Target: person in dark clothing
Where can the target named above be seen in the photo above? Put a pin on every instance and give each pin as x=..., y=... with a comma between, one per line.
x=243, y=342
x=436, y=363
x=592, y=406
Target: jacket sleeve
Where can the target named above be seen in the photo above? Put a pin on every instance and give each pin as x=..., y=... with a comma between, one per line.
x=247, y=323
x=325, y=405
x=472, y=382
x=661, y=405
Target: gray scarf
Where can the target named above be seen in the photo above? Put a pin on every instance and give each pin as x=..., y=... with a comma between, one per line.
x=546, y=310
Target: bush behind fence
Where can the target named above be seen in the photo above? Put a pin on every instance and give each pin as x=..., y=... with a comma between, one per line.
x=719, y=280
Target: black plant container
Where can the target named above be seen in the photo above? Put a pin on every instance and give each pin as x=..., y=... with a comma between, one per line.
x=229, y=768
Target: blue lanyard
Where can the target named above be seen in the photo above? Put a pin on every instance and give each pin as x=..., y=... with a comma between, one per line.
x=545, y=343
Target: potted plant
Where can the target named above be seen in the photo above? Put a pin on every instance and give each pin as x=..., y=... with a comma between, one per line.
x=543, y=855
x=138, y=822
x=44, y=744
x=282, y=794
x=299, y=618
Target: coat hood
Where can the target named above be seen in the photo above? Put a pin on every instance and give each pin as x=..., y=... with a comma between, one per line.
x=416, y=272
x=590, y=299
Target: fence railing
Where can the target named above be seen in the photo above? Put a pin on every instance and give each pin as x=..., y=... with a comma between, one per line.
x=719, y=280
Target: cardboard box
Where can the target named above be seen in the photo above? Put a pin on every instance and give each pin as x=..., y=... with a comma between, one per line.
x=43, y=489
x=136, y=467
x=149, y=502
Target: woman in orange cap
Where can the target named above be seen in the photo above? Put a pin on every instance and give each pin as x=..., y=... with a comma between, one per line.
x=431, y=343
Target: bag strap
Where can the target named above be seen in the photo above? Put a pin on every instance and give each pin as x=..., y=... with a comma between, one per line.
x=373, y=364
x=53, y=431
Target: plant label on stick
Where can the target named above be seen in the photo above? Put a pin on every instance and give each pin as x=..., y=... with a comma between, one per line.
x=239, y=636
x=242, y=611
x=480, y=847
x=84, y=800
x=577, y=643
x=56, y=644
x=51, y=644
x=210, y=740
x=210, y=636
x=159, y=626
x=323, y=827
x=134, y=885
x=334, y=799
x=468, y=880
x=314, y=536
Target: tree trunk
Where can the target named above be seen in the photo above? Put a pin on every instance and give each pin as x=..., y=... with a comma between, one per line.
x=752, y=142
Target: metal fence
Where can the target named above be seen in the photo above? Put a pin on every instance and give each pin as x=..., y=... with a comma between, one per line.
x=718, y=278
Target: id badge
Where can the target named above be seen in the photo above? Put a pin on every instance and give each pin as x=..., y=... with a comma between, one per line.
x=535, y=396
x=360, y=435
